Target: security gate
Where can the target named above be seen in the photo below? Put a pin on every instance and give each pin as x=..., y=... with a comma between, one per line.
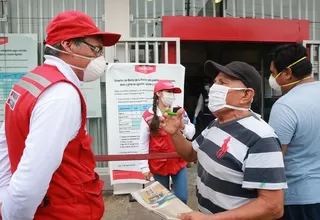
x=313, y=47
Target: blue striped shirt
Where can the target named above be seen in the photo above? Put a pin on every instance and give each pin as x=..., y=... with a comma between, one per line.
x=236, y=159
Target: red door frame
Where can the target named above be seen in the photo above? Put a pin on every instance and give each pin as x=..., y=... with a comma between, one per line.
x=233, y=30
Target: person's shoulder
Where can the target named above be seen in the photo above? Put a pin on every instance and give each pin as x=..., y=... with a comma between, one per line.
x=307, y=86
x=148, y=114
x=284, y=106
x=212, y=124
x=299, y=93
x=257, y=125
x=60, y=91
x=60, y=100
x=283, y=100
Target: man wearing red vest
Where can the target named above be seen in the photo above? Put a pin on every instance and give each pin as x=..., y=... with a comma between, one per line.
x=46, y=161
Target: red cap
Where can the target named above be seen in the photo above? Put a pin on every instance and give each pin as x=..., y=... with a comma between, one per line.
x=75, y=24
x=165, y=85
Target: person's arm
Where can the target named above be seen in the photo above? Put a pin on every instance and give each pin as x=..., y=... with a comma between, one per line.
x=199, y=106
x=189, y=130
x=5, y=172
x=263, y=171
x=183, y=147
x=186, y=149
x=267, y=206
x=284, y=121
x=144, y=145
x=172, y=125
x=54, y=122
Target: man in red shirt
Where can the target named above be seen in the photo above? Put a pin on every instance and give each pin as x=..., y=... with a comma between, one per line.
x=46, y=158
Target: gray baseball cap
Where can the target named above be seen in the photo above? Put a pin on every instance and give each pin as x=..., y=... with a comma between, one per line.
x=242, y=71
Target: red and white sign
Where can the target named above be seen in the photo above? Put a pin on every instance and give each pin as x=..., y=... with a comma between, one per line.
x=145, y=69
x=3, y=40
x=130, y=92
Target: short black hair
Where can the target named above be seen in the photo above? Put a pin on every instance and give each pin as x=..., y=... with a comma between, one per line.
x=287, y=54
x=52, y=52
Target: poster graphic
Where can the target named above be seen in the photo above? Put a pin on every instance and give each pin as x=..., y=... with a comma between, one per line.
x=129, y=89
x=18, y=56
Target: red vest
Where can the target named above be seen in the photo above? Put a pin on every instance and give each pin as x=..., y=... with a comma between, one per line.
x=161, y=143
x=75, y=189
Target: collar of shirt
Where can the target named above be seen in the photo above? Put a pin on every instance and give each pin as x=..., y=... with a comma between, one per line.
x=64, y=68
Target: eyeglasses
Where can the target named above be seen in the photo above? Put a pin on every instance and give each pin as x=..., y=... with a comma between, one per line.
x=98, y=50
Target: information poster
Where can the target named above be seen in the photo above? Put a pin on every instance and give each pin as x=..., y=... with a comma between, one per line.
x=129, y=89
x=91, y=92
x=18, y=56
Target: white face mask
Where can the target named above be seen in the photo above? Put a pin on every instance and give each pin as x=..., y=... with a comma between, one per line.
x=217, y=98
x=273, y=84
x=167, y=98
x=93, y=71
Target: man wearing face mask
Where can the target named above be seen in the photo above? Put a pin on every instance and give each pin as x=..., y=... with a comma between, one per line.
x=46, y=158
x=240, y=165
x=296, y=120
x=155, y=140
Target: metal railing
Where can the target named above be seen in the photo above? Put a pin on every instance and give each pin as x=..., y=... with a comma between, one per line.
x=146, y=50
x=119, y=157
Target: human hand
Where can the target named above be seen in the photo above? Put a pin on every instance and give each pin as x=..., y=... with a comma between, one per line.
x=183, y=125
x=147, y=176
x=172, y=124
x=193, y=216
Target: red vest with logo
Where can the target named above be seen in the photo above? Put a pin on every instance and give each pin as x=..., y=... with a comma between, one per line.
x=161, y=143
x=75, y=191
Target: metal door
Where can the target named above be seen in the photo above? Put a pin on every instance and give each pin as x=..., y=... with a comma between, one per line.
x=313, y=47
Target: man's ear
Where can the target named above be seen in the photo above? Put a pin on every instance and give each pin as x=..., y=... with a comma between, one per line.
x=66, y=45
x=248, y=96
x=287, y=73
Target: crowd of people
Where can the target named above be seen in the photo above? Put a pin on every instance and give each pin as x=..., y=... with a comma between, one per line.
x=246, y=168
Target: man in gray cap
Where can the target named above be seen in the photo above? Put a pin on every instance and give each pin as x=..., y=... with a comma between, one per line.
x=240, y=165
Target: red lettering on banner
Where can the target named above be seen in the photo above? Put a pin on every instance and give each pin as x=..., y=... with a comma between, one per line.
x=145, y=69
x=3, y=40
